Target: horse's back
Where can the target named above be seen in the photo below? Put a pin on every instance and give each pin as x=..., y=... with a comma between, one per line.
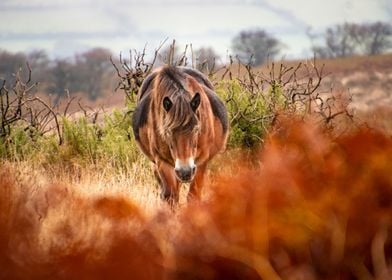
x=146, y=85
x=140, y=115
x=218, y=109
x=200, y=77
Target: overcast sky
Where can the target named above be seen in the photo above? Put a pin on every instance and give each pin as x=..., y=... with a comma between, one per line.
x=63, y=27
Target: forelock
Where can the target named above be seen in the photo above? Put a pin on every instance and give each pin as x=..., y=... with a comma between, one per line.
x=180, y=118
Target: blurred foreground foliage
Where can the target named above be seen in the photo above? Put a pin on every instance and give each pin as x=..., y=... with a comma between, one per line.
x=319, y=207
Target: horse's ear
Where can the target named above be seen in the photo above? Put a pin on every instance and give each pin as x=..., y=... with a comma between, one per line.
x=195, y=102
x=167, y=104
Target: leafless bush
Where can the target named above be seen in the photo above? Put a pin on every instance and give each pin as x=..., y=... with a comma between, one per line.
x=131, y=72
x=206, y=59
x=287, y=89
x=20, y=106
x=15, y=105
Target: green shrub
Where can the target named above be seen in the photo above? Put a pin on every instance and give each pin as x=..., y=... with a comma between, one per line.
x=250, y=113
x=118, y=144
x=22, y=144
x=109, y=143
x=81, y=138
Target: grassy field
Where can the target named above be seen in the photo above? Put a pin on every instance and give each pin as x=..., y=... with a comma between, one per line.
x=295, y=196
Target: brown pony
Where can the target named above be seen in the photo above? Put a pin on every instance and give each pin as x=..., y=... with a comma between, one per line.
x=180, y=124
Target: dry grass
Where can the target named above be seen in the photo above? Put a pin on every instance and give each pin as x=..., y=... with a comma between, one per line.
x=308, y=207
x=379, y=118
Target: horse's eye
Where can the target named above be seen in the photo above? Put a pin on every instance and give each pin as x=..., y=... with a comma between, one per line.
x=195, y=102
x=167, y=104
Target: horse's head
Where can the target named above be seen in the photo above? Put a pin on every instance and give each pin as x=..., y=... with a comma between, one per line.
x=180, y=120
x=181, y=132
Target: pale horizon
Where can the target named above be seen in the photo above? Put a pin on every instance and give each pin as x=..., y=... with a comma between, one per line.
x=65, y=28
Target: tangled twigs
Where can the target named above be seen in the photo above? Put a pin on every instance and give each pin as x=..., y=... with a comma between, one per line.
x=132, y=73
x=13, y=107
x=19, y=106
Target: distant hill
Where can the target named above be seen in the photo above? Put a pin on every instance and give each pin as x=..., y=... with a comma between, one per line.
x=368, y=79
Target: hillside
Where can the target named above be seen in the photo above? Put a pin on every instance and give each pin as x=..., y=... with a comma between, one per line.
x=367, y=79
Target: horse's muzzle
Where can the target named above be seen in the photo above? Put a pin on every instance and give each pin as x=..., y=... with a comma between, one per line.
x=185, y=174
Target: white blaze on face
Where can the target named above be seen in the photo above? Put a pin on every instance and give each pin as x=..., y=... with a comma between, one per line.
x=189, y=163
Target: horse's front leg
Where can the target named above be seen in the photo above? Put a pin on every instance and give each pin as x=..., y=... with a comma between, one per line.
x=168, y=182
x=197, y=183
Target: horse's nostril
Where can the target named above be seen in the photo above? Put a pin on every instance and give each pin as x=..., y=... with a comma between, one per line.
x=193, y=169
x=184, y=174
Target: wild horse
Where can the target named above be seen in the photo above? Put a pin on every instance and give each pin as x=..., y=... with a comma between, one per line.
x=180, y=124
